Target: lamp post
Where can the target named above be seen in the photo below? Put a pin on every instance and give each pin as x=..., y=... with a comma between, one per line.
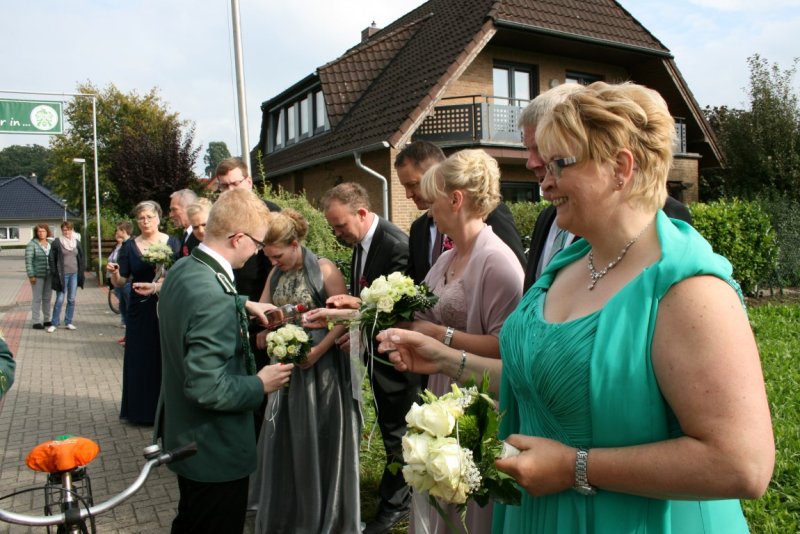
x=82, y=163
x=64, y=200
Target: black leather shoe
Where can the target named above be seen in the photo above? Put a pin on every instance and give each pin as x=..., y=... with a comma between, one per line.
x=48, y=323
x=38, y=326
x=384, y=521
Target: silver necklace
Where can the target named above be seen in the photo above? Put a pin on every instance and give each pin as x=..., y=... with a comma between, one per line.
x=596, y=275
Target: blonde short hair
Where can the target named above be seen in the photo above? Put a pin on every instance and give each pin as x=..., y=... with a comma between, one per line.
x=286, y=226
x=236, y=210
x=200, y=205
x=595, y=123
x=474, y=172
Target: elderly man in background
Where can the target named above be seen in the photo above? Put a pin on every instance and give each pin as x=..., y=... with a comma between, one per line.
x=179, y=201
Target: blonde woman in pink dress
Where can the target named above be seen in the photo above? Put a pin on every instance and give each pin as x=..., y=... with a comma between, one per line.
x=478, y=282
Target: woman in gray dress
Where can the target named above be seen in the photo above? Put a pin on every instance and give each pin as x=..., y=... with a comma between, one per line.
x=307, y=478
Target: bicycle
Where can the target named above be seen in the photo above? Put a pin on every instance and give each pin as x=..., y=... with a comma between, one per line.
x=113, y=301
x=68, y=495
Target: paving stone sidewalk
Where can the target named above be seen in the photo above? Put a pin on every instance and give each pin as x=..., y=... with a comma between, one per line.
x=69, y=382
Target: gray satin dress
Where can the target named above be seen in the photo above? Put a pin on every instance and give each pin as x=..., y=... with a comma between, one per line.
x=307, y=477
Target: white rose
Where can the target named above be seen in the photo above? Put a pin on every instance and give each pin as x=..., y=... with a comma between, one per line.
x=386, y=304
x=416, y=477
x=291, y=350
x=279, y=352
x=454, y=495
x=302, y=336
x=445, y=460
x=437, y=418
x=415, y=447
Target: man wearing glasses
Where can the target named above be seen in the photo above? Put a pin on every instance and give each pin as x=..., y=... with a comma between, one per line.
x=250, y=278
x=210, y=386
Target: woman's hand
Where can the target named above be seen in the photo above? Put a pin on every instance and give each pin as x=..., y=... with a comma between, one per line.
x=410, y=351
x=32, y=280
x=261, y=339
x=146, y=288
x=319, y=317
x=343, y=301
x=542, y=467
x=313, y=356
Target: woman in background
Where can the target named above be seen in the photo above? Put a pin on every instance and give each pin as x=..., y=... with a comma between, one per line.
x=141, y=370
x=36, y=265
x=67, y=271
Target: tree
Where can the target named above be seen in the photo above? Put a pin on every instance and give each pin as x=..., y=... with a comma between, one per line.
x=216, y=152
x=152, y=165
x=121, y=118
x=25, y=160
x=761, y=145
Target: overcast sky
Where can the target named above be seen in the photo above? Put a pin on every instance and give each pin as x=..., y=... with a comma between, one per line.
x=184, y=48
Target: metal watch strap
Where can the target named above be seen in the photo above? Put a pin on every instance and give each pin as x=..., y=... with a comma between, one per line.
x=582, y=485
x=448, y=335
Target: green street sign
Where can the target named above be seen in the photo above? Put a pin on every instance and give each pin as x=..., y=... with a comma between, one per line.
x=30, y=117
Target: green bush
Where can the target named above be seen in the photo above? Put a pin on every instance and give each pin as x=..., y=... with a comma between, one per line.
x=741, y=231
x=785, y=216
x=525, y=215
x=320, y=238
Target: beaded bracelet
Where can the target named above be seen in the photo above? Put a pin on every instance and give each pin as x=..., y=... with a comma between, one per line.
x=461, y=366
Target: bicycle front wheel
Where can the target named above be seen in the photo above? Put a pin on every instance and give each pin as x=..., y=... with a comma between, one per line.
x=113, y=301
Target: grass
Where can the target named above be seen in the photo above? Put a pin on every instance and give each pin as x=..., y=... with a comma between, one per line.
x=777, y=329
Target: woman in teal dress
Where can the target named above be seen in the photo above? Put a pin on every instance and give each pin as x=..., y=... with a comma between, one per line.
x=634, y=390
x=307, y=476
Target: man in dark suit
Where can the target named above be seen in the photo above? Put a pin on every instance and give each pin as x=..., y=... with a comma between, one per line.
x=179, y=201
x=424, y=247
x=210, y=387
x=379, y=248
x=251, y=277
x=546, y=238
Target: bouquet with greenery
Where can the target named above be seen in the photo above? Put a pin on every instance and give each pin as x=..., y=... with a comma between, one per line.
x=450, y=448
x=393, y=298
x=289, y=344
x=161, y=255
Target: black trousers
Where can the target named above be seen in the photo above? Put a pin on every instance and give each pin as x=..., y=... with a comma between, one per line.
x=211, y=507
x=395, y=392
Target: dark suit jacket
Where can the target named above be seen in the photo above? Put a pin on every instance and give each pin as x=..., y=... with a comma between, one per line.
x=388, y=253
x=207, y=395
x=252, y=277
x=419, y=242
x=187, y=245
x=674, y=209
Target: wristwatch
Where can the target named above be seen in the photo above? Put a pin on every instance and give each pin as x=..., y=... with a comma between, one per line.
x=448, y=335
x=582, y=485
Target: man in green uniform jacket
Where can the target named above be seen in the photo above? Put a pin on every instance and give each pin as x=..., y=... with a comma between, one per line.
x=210, y=387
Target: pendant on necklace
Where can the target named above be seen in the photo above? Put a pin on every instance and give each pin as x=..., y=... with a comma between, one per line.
x=596, y=275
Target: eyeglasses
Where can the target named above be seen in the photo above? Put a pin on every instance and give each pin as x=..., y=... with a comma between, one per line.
x=145, y=218
x=555, y=166
x=259, y=244
x=221, y=186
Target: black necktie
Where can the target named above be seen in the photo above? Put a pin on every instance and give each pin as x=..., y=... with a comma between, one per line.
x=356, y=289
x=436, y=251
x=244, y=323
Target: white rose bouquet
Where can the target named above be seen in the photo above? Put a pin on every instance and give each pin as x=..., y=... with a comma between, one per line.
x=450, y=448
x=289, y=344
x=161, y=255
x=393, y=298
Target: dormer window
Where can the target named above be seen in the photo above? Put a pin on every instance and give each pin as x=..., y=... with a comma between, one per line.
x=297, y=119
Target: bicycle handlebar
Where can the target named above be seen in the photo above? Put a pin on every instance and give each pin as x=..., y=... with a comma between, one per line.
x=84, y=513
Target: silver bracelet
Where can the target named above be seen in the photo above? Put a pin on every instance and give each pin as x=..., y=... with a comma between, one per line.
x=461, y=366
x=448, y=335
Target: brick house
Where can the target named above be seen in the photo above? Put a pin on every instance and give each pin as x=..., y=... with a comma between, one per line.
x=458, y=73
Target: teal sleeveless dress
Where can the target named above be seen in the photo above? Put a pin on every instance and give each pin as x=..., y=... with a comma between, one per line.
x=590, y=382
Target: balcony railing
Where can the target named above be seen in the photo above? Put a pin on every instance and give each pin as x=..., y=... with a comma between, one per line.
x=480, y=119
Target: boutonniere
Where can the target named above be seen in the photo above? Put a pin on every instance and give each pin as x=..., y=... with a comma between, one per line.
x=362, y=282
x=447, y=243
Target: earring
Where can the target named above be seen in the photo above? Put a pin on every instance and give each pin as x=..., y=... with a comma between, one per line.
x=620, y=184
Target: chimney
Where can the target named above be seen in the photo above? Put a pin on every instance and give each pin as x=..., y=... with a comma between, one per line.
x=368, y=32
x=34, y=179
